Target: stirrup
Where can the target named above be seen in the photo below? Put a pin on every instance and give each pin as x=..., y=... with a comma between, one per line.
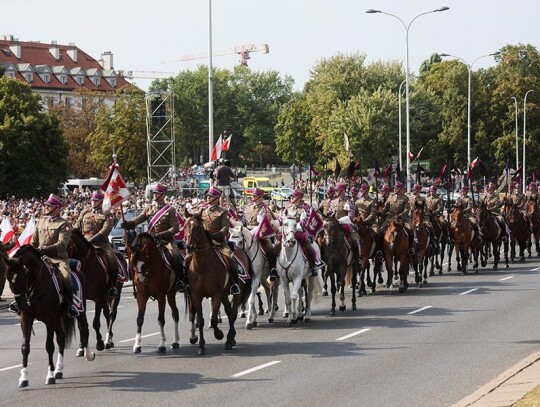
x=411, y=251
x=113, y=292
x=235, y=290
x=314, y=271
x=180, y=287
x=72, y=312
x=378, y=254
x=505, y=239
x=13, y=307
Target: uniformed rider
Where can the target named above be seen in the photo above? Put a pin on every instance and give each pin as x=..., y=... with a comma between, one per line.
x=366, y=209
x=494, y=205
x=398, y=205
x=163, y=226
x=340, y=208
x=325, y=203
x=96, y=225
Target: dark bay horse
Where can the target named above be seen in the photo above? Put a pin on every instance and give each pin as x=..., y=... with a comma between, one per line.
x=493, y=234
x=368, y=247
x=38, y=299
x=97, y=284
x=338, y=257
x=440, y=232
x=396, y=250
x=532, y=209
x=208, y=276
x=423, y=247
x=462, y=232
x=153, y=277
x=519, y=229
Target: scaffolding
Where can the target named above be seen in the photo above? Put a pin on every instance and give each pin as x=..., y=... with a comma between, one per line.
x=160, y=141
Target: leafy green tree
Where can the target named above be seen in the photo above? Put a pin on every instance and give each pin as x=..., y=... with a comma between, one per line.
x=32, y=146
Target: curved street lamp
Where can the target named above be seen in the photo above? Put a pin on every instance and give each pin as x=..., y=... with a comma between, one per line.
x=469, y=69
x=210, y=85
x=407, y=27
x=524, y=133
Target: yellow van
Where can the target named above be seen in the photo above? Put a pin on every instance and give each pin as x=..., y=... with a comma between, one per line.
x=264, y=183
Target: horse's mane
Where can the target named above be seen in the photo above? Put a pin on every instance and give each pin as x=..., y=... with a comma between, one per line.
x=27, y=249
x=140, y=236
x=199, y=220
x=78, y=234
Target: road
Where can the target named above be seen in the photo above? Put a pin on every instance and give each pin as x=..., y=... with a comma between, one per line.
x=428, y=347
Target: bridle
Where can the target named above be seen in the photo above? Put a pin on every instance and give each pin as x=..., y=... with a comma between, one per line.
x=188, y=236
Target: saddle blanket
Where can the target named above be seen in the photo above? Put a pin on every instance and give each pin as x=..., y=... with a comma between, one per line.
x=241, y=266
x=75, y=265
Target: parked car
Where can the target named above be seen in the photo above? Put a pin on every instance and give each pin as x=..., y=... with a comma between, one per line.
x=281, y=194
x=117, y=237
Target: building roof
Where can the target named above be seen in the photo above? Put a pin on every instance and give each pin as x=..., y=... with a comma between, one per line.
x=61, y=60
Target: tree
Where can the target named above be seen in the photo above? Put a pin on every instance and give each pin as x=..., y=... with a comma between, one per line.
x=32, y=146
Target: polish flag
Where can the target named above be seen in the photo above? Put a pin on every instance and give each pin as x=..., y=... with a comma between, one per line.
x=226, y=144
x=181, y=224
x=216, y=151
x=116, y=190
x=411, y=155
x=28, y=232
x=7, y=234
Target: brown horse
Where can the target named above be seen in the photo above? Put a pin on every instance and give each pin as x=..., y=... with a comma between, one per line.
x=519, y=229
x=208, y=276
x=38, y=299
x=153, y=277
x=396, y=248
x=368, y=251
x=97, y=286
x=532, y=209
x=424, y=251
x=338, y=257
x=493, y=233
x=463, y=235
x=440, y=233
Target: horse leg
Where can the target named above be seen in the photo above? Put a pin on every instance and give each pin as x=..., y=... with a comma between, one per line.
x=141, y=303
x=216, y=305
x=354, y=282
x=171, y=300
x=496, y=255
x=512, y=249
x=294, y=302
x=273, y=302
x=26, y=327
x=230, y=310
x=84, y=333
x=252, y=314
x=161, y=322
x=450, y=252
x=113, y=311
x=287, y=295
x=505, y=248
x=49, y=346
x=96, y=324
x=389, y=271
x=201, y=350
x=464, y=259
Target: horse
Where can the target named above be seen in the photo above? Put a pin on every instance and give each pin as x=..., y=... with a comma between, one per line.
x=153, y=277
x=338, y=257
x=532, y=209
x=492, y=233
x=424, y=246
x=293, y=268
x=519, y=229
x=368, y=247
x=463, y=234
x=244, y=239
x=38, y=299
x=440, y=233
x=208, y=276
x=396, y=249
x=97, y=283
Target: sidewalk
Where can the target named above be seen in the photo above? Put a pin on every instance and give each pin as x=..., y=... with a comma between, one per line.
x=7, y=295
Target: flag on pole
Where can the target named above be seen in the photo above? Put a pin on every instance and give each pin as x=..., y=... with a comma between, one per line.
x=314, y=171
x=28, y=232
x=7, y=234
x=377, y=168
x=264, y=230
x=411, y=155
x=419, y=153
x=216, y=151
x=314, y=223
x=226, y=144
x=115, y=189
x=347, y=146
x=337, y=171
x=388, y=170
x=474, y=163
x=181, y=224
x=443, y=169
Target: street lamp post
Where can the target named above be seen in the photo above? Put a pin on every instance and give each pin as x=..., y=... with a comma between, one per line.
x=407, y=26
x=210, y=85
x=524, y=133
x=517, y=143
x=399, y=118
x=469, y=70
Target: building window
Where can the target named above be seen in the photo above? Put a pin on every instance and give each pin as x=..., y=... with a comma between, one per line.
x=67, y=102
x=29, y=77
x=46, y=78
x=50, y=102
x=10, y=74
x=95, y=80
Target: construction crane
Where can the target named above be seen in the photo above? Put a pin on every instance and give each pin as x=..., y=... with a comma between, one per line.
x=244, y=51
x=146, y=74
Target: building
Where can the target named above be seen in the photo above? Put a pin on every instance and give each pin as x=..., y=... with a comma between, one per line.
x=56, y=72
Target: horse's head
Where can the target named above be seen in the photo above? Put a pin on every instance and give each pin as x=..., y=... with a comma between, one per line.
x=288, y=231
x=237, y=236
x=418, y=213
x=394, y=233
x=532, y=204
x=78, y=246
x=195, y=235
x=332, y=229
x=22, y=272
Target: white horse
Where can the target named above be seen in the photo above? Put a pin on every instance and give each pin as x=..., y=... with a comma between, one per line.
x=293, y=268
x=244, y=239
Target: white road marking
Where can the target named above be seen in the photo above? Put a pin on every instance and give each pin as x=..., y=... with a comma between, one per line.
x=12, y=367
x=144, y=336
x=419, y=310
x=536, y=269
x=254, y=369
x=506, y=278
x=468, y=292
x=361, y=331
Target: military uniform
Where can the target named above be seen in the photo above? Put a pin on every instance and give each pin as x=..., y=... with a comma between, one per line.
x=396, y=205
x=494, y=204
x=518, y=199
x=216, y=221
x=366, y=207
x=254, y=213
x=436, y=205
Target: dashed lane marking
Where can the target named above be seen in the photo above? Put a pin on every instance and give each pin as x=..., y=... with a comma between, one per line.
x=419, y=310
x=361, y=331
x=254, y=369
x=506, y=278
x=468, y=292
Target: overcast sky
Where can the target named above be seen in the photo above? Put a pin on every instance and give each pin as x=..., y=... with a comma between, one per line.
x=141, y=34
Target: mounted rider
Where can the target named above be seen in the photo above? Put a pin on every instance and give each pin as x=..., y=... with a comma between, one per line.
x=340, y=208
x=465, y=201
x=163, y=226
x=435, y=204
x=366, y=209
x=216, y=222
x=398, y=206
x=325, y=203
x=494, y=205
x=96, y=225
x=300, y=211
x=254, y=213
x=516, y=197
x=417, y=199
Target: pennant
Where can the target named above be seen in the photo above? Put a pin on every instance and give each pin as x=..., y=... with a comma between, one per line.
x=265, y=229
x=351, y=169
x=216, y=151
x=314, y=171
x=337, y=171
x=410, y=155
x=28, y=232
x=474, y=163
x=517, y=174
x=418, y=155
x=226, y=143
x=181, y=224
x=7, y=234
x=388, y=170
x=533, y=176
x=314, y=223
x=377, y=168
x=346, y=138
x=115, y=189
x=443, y=170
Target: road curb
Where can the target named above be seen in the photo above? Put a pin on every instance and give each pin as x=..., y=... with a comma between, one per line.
x=498, y=382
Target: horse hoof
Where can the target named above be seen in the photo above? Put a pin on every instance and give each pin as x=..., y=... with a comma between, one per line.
x=243, y=315
x=201, y=352
x=175, y=345
x=506, y=266
x=325, y=294
x=287, y=324
x=440, y=272
x=359, y=294
x=59, y=375
x=79, y=353
x=23, y=383
x=50, y=380
x=301, y=318
x=249, y=326
x=342, y=308
x=285, y=315
x=401, y=290
x=218, y=334
x=458, y=268
x=476, y=271
x=228, y=346
x=193, y=341
x=431, y=274
x=100, y=345
x=333, y=312
x=161, y=349
x=109, y=345
x=136, y=350
x=270, y=320
x=261, y=312
x=354, y=307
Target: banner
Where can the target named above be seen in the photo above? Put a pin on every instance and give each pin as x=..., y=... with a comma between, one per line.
x=181, y=224
x=7, y=234
x=265, y=229
x=216, y=151
x=226, y=144
x=114, y=188
x=314, y=223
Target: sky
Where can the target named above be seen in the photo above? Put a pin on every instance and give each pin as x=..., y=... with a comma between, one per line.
x=142, y=34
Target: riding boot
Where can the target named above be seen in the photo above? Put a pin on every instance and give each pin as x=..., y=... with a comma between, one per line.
x=411, y=243
x=235, y=288
x=272, y=260
x=317, y=262
x=180, y=275
x=113, y=274
x=68, y=302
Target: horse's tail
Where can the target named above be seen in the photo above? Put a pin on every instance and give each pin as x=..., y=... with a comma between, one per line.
x=317, y=289
x=349, y=275
x=68, y=326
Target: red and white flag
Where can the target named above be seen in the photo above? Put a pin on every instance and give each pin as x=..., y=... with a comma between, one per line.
x=28, y=232
x=314, y=223
x=7, y=234
x=115, y=189
x=226, y=144
x=474, y=163
x=411, y=155
x=265, y=229
x=181, y=224
x=216, y=151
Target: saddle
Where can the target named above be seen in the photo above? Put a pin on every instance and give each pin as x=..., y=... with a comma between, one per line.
x=75, y=267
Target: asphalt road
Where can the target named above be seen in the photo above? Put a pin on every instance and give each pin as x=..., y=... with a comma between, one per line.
x=428, y=347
